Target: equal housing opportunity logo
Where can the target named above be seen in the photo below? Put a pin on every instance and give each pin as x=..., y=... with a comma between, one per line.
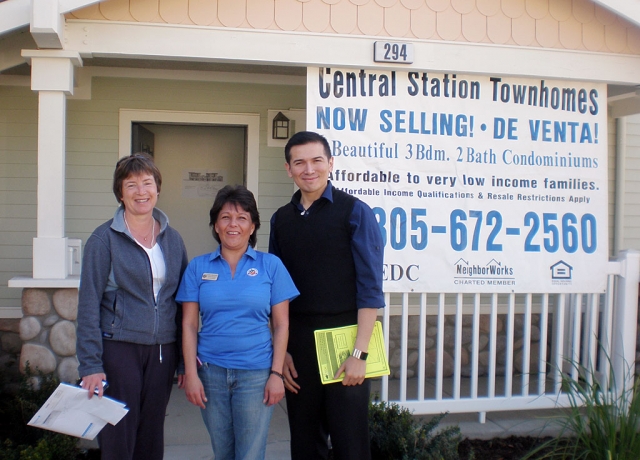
x=490, y=273
x=561, y=273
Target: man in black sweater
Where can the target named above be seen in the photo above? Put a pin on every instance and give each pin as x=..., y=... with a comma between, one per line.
x=332, y=246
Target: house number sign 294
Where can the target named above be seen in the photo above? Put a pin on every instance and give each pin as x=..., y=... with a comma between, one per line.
x=397, y=52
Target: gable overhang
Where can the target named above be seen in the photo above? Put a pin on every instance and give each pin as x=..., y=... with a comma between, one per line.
x=629, y=9
x=45, y=18
x=180, y=44
x=14, y=14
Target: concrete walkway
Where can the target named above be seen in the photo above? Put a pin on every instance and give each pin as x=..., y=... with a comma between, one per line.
x=186, y=438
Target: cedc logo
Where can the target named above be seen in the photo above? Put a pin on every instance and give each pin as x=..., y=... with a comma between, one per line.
x=395, y=272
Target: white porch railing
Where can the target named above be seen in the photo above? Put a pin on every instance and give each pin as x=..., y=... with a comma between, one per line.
x=596, y=330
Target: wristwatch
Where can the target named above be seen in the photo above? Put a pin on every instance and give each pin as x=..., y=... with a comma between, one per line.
x=359, y=354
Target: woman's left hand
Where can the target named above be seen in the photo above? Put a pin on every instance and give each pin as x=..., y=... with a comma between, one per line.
x=273, y=390
x=195, y=391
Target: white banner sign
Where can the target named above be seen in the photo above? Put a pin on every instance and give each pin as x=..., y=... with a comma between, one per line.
x=479, y=183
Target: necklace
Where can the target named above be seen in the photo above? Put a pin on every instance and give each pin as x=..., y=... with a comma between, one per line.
x=153, y=230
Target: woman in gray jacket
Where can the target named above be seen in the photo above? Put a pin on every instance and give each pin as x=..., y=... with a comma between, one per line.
x=128, y=319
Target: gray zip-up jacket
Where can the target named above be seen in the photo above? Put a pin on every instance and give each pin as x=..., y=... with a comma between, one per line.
x=115, y=300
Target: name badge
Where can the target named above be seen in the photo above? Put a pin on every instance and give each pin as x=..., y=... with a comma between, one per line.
x=210, y=276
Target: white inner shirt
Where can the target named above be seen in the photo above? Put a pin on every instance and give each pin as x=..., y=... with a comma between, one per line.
x=158, y=267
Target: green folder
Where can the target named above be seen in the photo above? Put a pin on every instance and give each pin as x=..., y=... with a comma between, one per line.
x=335, y=345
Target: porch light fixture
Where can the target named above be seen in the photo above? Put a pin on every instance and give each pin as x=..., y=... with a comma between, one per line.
x=280, y=127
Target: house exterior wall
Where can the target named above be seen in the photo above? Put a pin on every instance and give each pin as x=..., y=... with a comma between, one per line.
x=572, y=27
x=18, y=177
x=611, y=174
x=92, y=151
x=631, y=231
x=92, y=148
x=555, y=24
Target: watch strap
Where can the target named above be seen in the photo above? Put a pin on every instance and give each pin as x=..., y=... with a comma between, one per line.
x=359, y=354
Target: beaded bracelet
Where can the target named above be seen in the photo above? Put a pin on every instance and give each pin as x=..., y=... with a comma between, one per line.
x=277, y=373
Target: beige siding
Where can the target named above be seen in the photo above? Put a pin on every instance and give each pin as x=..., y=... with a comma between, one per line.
x=611, y=164
x=631, y=233
x=18, y=172
x=558, y=24
x=631, y=209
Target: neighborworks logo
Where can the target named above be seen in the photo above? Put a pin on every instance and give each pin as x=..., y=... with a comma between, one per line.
x=492, y=268
x=490, y=273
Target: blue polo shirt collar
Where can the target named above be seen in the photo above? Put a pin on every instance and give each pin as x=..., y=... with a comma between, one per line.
x=251, y=252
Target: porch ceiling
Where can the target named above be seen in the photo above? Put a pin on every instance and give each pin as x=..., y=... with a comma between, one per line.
x=193, y=65
x=14, y=64
x=11, y=45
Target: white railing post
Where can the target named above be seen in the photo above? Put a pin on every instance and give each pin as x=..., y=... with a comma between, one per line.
x=625, y=319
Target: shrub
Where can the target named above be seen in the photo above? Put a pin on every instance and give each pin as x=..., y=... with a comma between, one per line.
x=599, y=424
x=396, y=435
x=22, y=442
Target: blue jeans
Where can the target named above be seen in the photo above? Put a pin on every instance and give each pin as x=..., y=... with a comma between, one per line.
x=235, y=416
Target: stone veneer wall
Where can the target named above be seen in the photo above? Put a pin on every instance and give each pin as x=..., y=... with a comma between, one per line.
x=395, y=353
x=48, y=331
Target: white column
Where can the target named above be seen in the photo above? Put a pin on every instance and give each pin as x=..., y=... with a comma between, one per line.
x=52, y=77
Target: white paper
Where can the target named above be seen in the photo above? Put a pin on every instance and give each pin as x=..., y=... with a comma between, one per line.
x=69, y=410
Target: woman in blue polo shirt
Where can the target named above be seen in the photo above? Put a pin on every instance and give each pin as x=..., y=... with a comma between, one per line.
x=233, y=368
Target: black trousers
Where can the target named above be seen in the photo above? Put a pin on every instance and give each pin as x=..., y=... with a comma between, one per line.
x=319, y=411
x=138, y=378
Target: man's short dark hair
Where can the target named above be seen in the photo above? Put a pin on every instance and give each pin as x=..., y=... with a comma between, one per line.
x=135, y=164
x=238, y=195
x=306, y=137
